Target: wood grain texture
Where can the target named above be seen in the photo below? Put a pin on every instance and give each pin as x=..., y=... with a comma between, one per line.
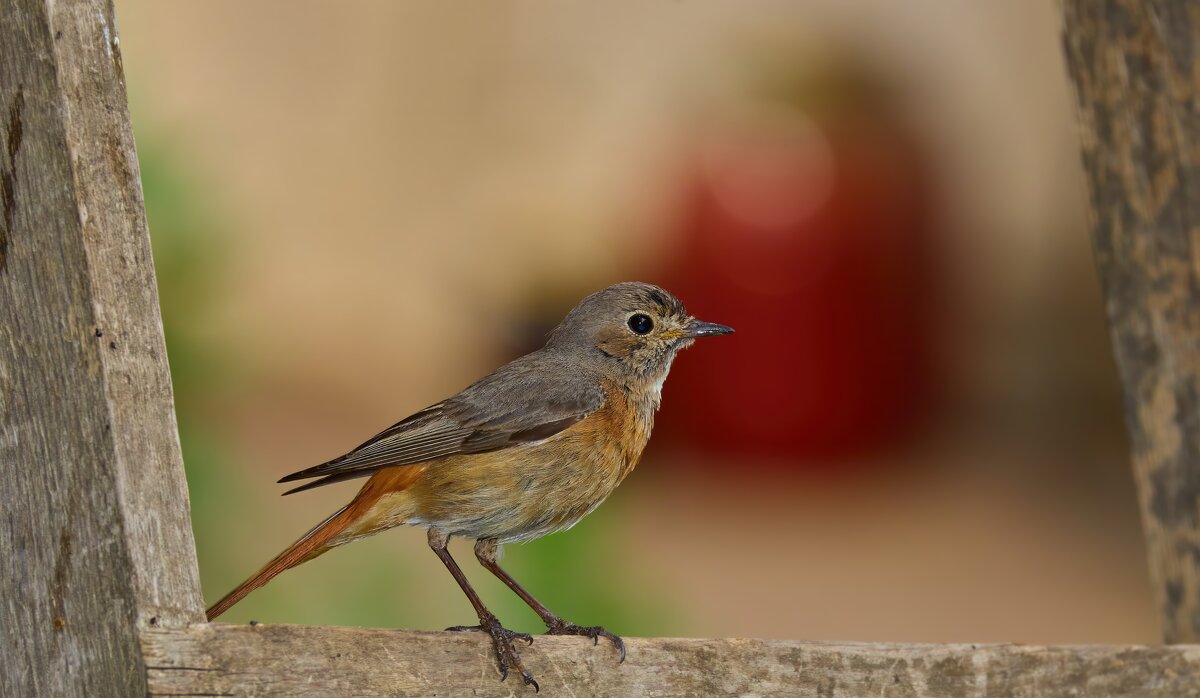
x=94, y=531
x=1135, y=65
x=326, y=661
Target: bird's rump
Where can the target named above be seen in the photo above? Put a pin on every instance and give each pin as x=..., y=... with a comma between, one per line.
x=518, y=403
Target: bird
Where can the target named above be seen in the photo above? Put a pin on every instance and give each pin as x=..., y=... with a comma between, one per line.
x=526, y=451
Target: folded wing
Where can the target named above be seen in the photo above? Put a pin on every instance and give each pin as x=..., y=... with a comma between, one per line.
x=524, y=401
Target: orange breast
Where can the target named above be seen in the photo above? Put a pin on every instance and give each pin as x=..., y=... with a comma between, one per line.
x=617, y=433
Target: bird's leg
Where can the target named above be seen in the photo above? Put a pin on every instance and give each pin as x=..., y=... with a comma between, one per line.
x=506, y=654
x=486, y=550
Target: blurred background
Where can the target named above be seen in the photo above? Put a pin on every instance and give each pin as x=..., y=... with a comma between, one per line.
x=359, y=208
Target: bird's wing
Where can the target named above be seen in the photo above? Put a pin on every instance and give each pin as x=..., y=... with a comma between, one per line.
x=530, y=399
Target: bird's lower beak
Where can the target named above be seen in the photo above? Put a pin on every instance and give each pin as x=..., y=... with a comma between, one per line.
x=698, y=328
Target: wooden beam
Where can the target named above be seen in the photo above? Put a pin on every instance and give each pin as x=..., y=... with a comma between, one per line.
x=1135, y=65
x=324, y=661
x=94, y=531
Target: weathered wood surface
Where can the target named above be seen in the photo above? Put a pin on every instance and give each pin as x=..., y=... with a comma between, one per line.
x=1136, y=70
x=325, y=661
x=94, y=531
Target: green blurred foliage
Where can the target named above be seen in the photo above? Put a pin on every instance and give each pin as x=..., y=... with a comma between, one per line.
x=190, y=242
x=190, y=253
x=584, y=575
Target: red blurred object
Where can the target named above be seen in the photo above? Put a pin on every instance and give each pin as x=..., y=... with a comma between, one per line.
x=810, y=236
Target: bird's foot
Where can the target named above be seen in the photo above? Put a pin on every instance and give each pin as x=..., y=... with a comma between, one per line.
x=562, y=627
x=502, y=641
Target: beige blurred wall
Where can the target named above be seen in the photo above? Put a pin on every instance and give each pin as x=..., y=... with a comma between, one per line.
x=381, y=154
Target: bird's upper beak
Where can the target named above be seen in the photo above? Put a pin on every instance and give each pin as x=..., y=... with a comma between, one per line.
x=699, y=328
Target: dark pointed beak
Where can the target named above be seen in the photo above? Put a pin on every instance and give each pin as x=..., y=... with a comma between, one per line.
x=698, y=328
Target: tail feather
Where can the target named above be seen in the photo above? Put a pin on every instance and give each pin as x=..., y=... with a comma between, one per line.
x=309, y=546
x=355, y=520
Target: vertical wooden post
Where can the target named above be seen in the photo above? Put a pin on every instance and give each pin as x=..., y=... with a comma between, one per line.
x=95, y=538
x=1136, y=69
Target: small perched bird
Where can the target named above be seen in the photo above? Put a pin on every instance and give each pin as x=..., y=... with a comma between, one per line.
x=528, y=450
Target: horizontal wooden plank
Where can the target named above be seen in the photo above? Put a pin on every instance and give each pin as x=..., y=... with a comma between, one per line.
x=260, y=660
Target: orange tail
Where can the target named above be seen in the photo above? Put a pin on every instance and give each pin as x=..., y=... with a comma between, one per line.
x=354, y=520
x=311, y=545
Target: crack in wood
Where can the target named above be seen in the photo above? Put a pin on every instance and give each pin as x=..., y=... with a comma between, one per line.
x=14, y=134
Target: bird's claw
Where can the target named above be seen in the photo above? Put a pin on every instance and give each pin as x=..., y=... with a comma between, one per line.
x=593, y=631
x=506, y=654
x=510, y=634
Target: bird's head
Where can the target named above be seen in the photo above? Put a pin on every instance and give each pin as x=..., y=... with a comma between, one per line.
x=634, y=328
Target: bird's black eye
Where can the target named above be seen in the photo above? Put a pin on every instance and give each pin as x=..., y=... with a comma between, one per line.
x=641, y=324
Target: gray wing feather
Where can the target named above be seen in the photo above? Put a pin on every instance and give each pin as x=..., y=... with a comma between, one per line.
x=530, y=399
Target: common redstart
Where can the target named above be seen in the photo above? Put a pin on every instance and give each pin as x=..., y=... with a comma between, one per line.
x=528, y=450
